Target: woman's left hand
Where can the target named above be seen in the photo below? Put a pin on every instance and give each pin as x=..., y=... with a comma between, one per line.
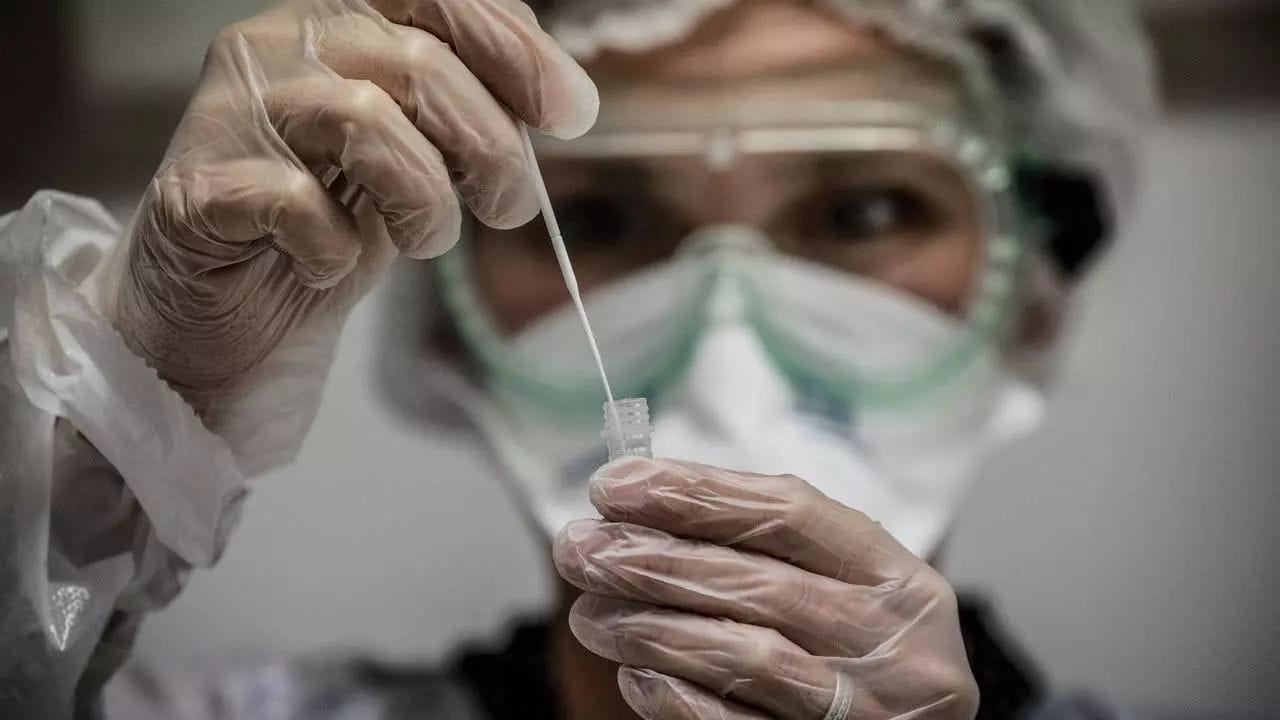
x=733, y=596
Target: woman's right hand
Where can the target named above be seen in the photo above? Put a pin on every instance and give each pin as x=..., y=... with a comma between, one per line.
x=242, y=236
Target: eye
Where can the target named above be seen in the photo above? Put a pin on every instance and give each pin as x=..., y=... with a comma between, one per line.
x=603, y=221
x=855, y=216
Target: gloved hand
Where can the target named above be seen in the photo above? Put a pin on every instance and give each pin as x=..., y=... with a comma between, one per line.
x=729, y=595
x=242, y=236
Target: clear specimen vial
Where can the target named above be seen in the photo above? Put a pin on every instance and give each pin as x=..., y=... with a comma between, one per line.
x=627, y=430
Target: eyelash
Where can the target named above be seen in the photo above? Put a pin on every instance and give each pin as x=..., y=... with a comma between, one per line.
x=599, y=220
x=912, y=212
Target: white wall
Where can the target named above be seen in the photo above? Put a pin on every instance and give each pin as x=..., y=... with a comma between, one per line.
x=128, y=46
x=1133, y=544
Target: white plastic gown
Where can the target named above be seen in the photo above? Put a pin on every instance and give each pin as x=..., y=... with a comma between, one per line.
x=111, y=491
x=110, y=488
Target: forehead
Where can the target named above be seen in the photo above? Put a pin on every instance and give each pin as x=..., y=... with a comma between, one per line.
x=768, y=53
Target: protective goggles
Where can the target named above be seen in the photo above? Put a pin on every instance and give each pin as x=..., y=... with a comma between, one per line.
x=860, y=204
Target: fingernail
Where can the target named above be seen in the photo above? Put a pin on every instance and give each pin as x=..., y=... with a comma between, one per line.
x=583, y=101
x=589, y=621
x=571, y=548
x=621, y=484
x=635, y=695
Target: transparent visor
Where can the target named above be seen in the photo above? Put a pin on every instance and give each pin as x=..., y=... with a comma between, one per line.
x=877, y=261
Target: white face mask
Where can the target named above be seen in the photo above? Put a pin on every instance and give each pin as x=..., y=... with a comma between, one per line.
x=733, y=410
x=905, y=467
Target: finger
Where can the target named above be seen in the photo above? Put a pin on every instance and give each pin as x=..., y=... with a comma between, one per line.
x=750, y=665
x=778, y=515
x=227, y=205
x=479, y=139
x=655, y=696
x=821, y=615
x=500, y=41
x=354, y=125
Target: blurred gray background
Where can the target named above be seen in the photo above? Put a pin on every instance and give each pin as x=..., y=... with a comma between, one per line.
x=1133, y=545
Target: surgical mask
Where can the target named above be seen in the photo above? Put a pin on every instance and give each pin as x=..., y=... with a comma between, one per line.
x=758, y=361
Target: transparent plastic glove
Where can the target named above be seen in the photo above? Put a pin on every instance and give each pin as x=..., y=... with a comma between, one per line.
x=244, y=235
x=731, y=595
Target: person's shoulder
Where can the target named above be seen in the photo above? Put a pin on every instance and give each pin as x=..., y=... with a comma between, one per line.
x=1010, y=684
x=513, y=679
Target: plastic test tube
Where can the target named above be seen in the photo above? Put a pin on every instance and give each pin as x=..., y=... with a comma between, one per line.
x=627, y=430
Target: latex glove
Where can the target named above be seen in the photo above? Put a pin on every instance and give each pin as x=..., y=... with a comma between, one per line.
x=239, y=240
x=732, y=595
